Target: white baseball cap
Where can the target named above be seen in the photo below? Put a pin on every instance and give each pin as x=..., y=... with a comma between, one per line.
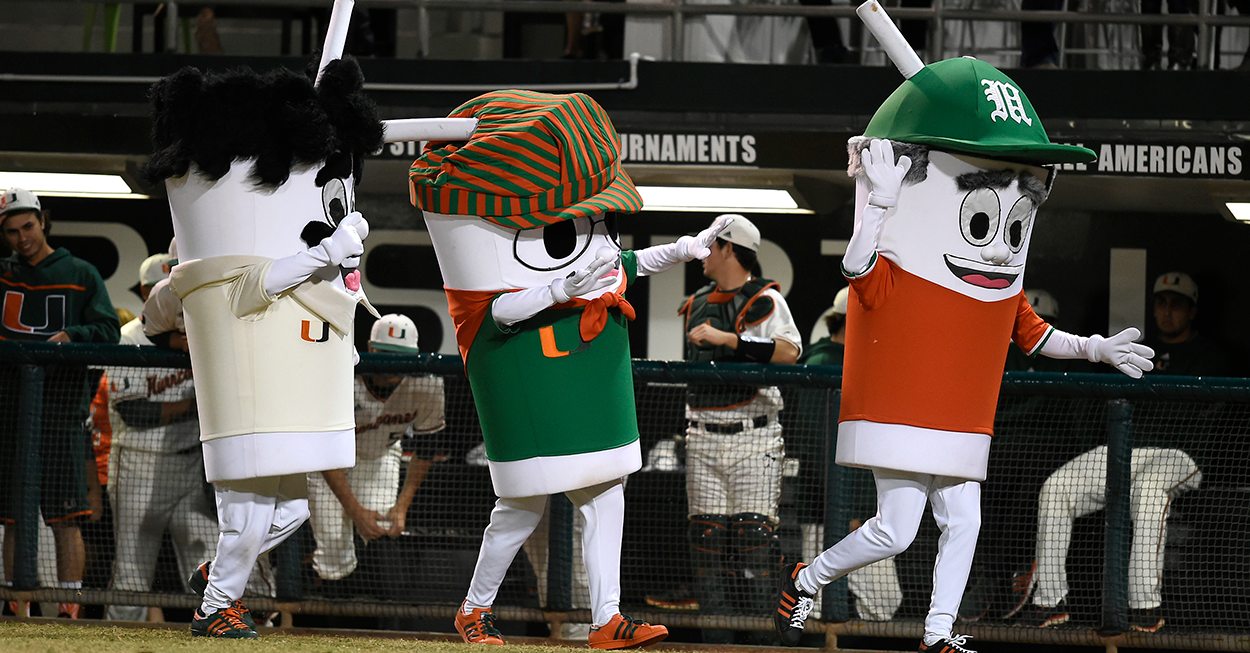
x=18, y=199
x=741, y=232
x=1043, y=303
x=153, y=269
x=395, y=333
x=839, y=301
x=1179, y=283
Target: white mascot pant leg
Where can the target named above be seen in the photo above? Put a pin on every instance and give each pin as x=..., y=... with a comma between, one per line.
x=254, y=516
x=901, y=499
x=513, y=520
x=603, y=506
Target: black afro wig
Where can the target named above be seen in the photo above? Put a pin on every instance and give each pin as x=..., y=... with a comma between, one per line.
x=278, y=119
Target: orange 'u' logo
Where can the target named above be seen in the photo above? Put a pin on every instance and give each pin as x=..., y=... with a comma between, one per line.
x=307, y=327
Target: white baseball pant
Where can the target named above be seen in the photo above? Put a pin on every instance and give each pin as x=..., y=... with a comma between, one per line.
x=735, y=473
x=1079, y=488
x=375, y=482
x=151, y=493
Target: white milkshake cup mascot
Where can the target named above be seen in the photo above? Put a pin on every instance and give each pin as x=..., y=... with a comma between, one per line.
x=260, y=170
x=949, y=175
x=523, y=218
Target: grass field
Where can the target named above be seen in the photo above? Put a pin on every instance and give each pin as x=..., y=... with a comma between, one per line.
x=29, y=637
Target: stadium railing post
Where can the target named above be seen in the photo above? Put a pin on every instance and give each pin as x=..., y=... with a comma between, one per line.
x=835, y=606
x=1119, y=530
x=27, y=477
x=560, y=554
x=288, y=579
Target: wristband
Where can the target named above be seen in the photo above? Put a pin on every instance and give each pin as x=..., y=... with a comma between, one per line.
x=756, y=349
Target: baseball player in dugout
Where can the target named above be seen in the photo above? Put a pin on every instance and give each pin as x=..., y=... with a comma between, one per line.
x=390, y=409
x=735, y=453
x=1182, y=350
x=949, y=175
x=50, y=296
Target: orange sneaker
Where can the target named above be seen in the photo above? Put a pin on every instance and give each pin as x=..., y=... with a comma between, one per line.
x=68, y=610
x=478, y=627
x=623, y=632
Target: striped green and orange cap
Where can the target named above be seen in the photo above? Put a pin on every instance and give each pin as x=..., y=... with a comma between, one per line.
x=535, y=159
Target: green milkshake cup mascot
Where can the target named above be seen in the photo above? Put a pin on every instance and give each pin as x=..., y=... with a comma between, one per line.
x=523, y=218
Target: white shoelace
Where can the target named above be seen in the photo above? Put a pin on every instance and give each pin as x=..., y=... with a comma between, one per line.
x=958, y=641
x=802, y=608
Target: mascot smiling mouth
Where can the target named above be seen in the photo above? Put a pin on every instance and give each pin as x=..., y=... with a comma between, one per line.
x=984, y=275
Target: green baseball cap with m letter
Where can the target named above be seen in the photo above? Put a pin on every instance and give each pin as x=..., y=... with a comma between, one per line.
x=969, y=107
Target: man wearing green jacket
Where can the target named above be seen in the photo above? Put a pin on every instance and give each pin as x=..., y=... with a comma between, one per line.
x=50, y=296
x=830, y=349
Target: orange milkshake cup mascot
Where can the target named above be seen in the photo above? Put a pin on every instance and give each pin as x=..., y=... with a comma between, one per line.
x=949, y=175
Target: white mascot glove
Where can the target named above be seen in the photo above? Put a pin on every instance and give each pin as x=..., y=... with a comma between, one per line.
x=658, y=258
x=341, y=248
x=514, y=307
x=1120, y=351
x=699, y=247
x=588, y=279
x=885, y=182
x=346, y=244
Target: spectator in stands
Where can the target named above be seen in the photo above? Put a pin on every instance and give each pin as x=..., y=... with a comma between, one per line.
x=1179, y=347
x=916, y=30
x=830, y=349
x=390, y=408
x=826, y=35
x=1181, y=38
x=1159, y=474
x=1038, y=48
x=734, y=445
x=50, y=296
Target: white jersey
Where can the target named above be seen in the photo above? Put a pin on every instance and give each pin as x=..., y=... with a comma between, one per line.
x=779, y=325
x=132, y=334
x=416, y=407
x=151, y=384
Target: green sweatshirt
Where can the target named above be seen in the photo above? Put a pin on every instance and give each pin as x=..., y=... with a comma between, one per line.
x=824, y=352
x=60, y=293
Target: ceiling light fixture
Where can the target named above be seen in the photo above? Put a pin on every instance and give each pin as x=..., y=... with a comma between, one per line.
x=723, y=200
x=70, y=184
x=1240, y=210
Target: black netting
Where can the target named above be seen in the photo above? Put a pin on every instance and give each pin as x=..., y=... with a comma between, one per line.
x=1108, y=506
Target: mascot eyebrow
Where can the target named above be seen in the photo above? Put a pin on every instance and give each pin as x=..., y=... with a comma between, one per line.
x=918, y=153
x=1028, y=185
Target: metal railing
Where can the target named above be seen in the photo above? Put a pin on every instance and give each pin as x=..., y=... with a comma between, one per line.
x=1042, y=419
x=1206, y=20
